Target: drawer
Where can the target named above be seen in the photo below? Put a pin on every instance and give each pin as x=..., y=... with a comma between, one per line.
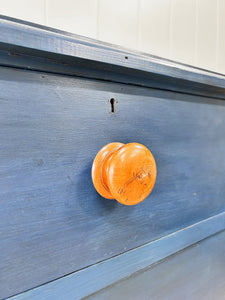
x=52, y=220
x=53, y=126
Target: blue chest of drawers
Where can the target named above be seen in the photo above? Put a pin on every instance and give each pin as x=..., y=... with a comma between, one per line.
x=59, y=239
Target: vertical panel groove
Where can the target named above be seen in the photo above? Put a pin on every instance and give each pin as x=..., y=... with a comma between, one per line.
x=138, y=24
x=170, y=30
x=97, y=31
x=196, y=33
x=46, y=12
x=217, y=35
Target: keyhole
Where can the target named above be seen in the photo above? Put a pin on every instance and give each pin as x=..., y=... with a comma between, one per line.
x=112, y=102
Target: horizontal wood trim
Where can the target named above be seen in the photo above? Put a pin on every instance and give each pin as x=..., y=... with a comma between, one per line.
x=195, y=273
x=94, y=278
x=29, y=46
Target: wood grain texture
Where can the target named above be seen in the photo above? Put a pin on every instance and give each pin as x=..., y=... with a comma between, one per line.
x=75, y=55
x=90, y=280
x=51, y=127
x=197, y=273
x=125, y=173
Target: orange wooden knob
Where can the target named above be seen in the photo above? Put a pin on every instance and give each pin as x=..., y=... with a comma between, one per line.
x=125, y=172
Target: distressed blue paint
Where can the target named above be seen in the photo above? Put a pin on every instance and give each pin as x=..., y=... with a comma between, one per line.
x=92, y=279
x=51, y=126
x=41, y=48
x=52, y=219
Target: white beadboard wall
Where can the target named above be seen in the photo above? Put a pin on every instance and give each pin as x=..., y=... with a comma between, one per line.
x=188, y=31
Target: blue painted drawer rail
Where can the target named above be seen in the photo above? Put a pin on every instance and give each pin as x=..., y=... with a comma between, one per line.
x=59, y=239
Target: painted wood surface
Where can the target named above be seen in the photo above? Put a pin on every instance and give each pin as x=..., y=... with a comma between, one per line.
x=41, y=48
x=197, y=273
x=51, y=127
x=90, y=280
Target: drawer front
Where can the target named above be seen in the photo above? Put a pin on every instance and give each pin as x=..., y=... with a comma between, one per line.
x=51, y=127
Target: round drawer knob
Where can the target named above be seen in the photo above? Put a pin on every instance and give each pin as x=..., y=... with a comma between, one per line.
x=125, y=172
